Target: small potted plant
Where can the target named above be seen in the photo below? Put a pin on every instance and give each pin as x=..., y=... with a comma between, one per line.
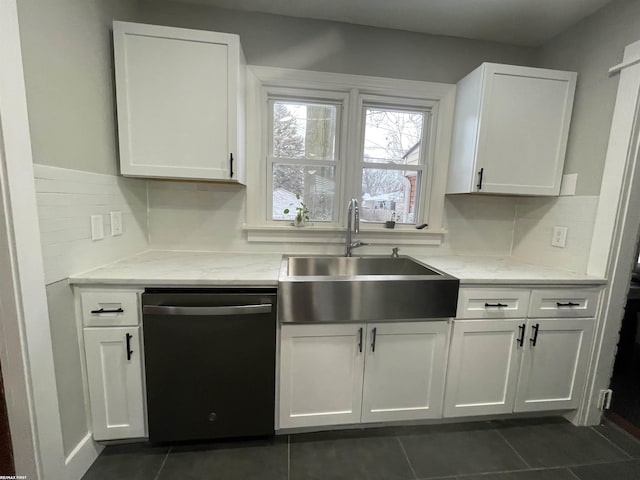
x=301, y=213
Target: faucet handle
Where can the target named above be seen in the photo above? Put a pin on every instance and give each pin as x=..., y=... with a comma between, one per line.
x=394, y=252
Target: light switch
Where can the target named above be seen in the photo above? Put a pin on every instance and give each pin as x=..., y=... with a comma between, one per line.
x=116, y=223
x=559, y=237
x=97, y=227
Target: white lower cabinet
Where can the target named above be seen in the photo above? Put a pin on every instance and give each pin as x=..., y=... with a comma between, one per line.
x=404, y=371
x=321, y=370
x=505, y=366
x=114, y=370
x=483, y=367
x=554, y=368
x=334, y=374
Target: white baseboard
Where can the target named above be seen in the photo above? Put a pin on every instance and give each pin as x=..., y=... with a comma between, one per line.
x=82, y=457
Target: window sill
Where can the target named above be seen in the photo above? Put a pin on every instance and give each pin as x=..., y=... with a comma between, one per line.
x=324, y=234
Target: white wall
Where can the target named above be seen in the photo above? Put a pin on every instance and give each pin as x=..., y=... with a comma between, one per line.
x=67, y=54
x=319, y=45
x=590, y=48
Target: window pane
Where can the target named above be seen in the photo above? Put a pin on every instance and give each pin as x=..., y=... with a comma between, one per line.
x=390, y=195
x=315, y=185
x=392, y=136
x=304, y=130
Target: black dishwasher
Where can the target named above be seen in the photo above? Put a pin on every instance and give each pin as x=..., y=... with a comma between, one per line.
x=210, y=359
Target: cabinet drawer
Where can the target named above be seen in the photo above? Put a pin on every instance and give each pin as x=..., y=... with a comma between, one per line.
x=107, y=308
x=563, y=303
x=493, y=303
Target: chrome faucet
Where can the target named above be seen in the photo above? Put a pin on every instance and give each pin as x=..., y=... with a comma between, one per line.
x=352, y=214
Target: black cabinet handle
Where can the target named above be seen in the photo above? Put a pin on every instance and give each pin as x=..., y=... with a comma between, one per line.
x=499, y=305
x=568, y=304
x=231, y=164
x=522, y=329
x=480, y=174
x=373, y=339
x=129, y=351
x=360, y=340
x=113, y=310
x=534, y=331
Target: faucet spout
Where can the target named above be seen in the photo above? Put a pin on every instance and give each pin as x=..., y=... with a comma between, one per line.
x=353, y=227
x=356, y=216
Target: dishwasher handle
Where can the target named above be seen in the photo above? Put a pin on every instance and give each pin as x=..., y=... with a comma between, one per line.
x=227, y=310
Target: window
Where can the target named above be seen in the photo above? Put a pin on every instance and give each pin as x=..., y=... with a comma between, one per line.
x=392, y=164
x=324, y=138
x=303, y=157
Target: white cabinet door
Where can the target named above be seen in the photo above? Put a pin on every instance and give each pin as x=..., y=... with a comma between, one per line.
x=321, y=370
x=510, y=130
x=180, y=99
x=484, y=361
x=114, y=370
x=404, y=371
x=554, y=367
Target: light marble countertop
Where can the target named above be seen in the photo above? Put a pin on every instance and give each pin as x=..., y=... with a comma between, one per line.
x=505, y=271
x=162, y=267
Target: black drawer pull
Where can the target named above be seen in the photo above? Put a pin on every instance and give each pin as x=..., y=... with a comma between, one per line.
x=522, y=329
x=129, y=351
x=113, y=310
x=360, y=340
x=534, y=330
x=499, y=305
x=231, y=165
x=568, y=304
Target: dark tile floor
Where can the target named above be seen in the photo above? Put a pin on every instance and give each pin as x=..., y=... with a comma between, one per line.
x=541, y=449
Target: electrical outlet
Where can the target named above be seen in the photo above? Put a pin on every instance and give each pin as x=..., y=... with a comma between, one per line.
x=116, y=223
x=97, y=227
x=559, y=237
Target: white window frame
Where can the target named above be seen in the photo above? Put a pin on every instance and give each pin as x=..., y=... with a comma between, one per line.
x=427, y=150
x=354, y=91
x=307, y=96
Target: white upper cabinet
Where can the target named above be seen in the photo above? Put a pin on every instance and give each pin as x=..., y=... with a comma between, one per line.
x=510, y=130
x=181, y=102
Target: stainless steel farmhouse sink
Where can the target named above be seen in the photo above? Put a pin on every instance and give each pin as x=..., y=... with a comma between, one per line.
x=356, y=289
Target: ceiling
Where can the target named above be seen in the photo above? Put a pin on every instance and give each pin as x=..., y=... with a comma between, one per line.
x=516, y=22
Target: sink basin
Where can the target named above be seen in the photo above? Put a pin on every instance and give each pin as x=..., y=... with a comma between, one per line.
x=358, y=289
x=356, y=266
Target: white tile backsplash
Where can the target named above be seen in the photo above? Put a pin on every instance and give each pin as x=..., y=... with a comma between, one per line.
x=66, y=200
x=535, y=219
x=210, y=217
x=200, y=216
x=479, y=225
x=196, y=216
